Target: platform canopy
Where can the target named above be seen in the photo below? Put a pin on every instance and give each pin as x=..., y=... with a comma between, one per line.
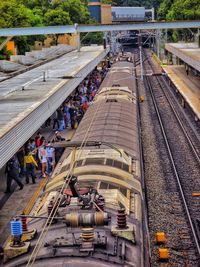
x=27, y=100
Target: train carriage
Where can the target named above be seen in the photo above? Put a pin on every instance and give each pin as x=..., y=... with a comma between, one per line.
x=93, y=206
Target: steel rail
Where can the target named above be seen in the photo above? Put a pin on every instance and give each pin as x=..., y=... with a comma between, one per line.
x=180, y=108
x=145, y=207
x=149, y=85
x=99, y=28
x=192, y=146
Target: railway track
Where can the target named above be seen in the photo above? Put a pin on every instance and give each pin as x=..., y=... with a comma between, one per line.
x=178, y=148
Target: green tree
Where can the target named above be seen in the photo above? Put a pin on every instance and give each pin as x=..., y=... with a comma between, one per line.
x=77, y=10
x=4, y=53
x=179, y=10
x=39, y=7
x=164, y=8
x=184, y=10
x=56, y=17
x=63, y=12
x=93, y=38
x=107, y=1
x=15, y=14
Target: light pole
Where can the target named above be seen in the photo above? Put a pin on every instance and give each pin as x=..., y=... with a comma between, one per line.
x=140, y=48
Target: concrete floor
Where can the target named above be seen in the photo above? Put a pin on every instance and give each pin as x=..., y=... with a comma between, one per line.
x=187, y=52
x=187, y=85
x=16, y=202
x=193, y=82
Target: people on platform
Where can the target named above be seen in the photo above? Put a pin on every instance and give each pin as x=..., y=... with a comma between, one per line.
x=43, y=155
x=20, y=157
x=36, y=153
x=30, y=164
x=55, y=120
x=38, y=139
x=50, y=158
x=12, y=170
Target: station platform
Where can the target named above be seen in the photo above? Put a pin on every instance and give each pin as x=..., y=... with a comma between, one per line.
x=27, y=100
x=187, y=85
x=187, y=52
x=23, y=199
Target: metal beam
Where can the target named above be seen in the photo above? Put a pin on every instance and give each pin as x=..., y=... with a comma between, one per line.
x=37, y=30
x=99, y=28
x=139, y=26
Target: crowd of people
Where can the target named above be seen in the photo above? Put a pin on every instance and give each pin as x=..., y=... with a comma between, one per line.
x=38, y=153
x=70, y=113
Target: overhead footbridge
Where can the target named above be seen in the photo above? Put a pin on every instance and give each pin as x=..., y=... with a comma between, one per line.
x=155, y=25
x=76, y=28
x=28, y=99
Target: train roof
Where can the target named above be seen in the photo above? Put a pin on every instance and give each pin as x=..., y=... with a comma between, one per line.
x=112, y=118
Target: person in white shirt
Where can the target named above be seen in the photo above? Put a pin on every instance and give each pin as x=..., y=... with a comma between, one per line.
x=42, y=155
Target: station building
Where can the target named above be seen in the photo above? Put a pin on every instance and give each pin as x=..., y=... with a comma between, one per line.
x=107, y=14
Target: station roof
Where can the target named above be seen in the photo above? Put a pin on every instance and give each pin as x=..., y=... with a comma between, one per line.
x=187, y=52
x=22, y=112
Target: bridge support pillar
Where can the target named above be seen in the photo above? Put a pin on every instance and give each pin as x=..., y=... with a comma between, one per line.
x=78, y=42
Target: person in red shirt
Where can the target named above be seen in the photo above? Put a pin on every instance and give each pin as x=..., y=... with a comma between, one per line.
x=38, y=139
x=92, y=95
x=85, y=106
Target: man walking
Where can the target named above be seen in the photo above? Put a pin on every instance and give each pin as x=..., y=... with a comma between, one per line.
x=61, y=119
x=30, y=164
x=50, y=159
x=12, y=171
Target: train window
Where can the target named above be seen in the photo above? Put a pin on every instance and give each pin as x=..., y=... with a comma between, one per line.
x=109, y=162
x=103, y=185
x=123, y=191
x=125, y=167
x=111, y=186
x=91, y=161
x=117, y=164
x=65, y=168
x=116, y=85
x=111, y=100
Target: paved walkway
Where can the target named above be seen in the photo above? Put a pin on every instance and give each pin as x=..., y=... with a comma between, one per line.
x=14, y=203
x=187, y=52
x=187, y=85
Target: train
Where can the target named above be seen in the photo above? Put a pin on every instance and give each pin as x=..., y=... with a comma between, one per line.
x=92, y=211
